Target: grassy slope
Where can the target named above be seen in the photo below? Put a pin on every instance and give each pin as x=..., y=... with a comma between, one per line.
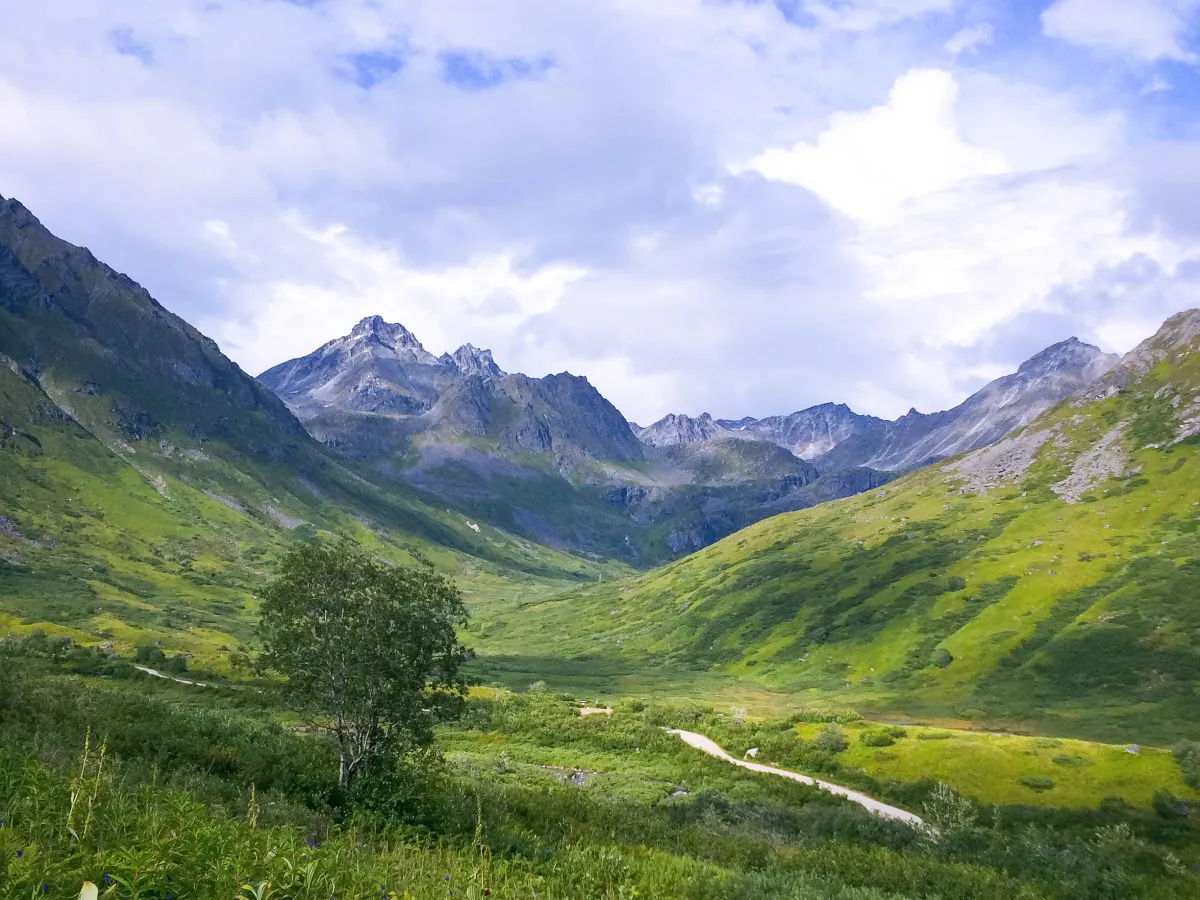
x=1078, y=618
x=132, y=549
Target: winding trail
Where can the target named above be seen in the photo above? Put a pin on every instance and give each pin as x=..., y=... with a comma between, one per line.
x=158, y=674
x=712, y=748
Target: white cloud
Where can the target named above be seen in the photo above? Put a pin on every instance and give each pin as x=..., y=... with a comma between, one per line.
x=586, y=219
x=954, y=240
x=863, y=15
x=283, y=316
x=869, y=164
x=1143, y=30
x=969, y=39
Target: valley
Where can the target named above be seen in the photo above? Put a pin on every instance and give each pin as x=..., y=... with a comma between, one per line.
x=983, y=618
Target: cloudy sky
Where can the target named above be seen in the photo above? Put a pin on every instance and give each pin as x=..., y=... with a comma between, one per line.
x=736, y=206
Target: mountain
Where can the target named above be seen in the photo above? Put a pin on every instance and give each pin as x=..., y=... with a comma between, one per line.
x=1047, y=580
x=673, y=430
x=381, y=369
x=834, y=438
x=808, y=434
x=147, y=482
x=549, y=458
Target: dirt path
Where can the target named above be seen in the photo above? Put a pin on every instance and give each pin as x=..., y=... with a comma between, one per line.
x=158, y=674
x=712, y=748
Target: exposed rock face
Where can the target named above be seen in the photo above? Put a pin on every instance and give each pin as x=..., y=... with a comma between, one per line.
x=834, y=438
x=809, y=433
x=378, y=396
x=1178, y=336
x=674, y=430
x=114, y=359
x=381, y=369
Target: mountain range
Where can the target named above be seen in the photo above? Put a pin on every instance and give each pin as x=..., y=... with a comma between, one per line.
x=145, y=479
x=1045, y=581
x=148, y=486
x=552, y=459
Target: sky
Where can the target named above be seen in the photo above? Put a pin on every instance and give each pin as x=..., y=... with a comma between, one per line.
x=741, y=207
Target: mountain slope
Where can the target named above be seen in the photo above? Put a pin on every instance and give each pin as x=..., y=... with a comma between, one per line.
x=835, y=438
x=147, y=479
x=548, y=457
x=382, y=369
x=1050, y=578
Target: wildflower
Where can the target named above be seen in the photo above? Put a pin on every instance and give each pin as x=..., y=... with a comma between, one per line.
x=447, y=877
x=45, y=888
x=312, y=842
x=169, y=879
x=20, y=853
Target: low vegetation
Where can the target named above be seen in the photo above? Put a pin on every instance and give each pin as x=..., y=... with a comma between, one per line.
x=152, y=788
x=1043, y=585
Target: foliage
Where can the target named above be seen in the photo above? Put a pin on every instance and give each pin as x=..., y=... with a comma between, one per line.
x=1037, y=783
x=222, y=799
x=1187, y=754
x=369, y=651
x=830, y=740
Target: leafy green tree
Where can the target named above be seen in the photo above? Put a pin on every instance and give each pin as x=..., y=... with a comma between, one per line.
x=369, y=650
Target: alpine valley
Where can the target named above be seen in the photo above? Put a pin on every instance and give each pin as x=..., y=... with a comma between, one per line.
x=551, y=459
x=983, y=621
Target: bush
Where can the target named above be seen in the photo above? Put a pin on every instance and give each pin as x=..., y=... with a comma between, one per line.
x=149, y=655
x=1187, y=755
x=1037, y=783
x=1074, y=762
x=1168, y=806
x=877, y=737
x=830, y=740
x=940, y=657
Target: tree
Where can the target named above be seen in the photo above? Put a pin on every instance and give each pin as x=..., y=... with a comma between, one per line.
x=369, y=650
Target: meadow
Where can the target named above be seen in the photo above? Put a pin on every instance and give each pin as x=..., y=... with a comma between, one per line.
x=152, y=789
x=1045, y=585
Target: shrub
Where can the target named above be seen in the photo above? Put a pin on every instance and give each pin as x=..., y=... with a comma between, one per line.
x=877, y=737
x=150, y=655
x=830, y=740
x=940, y=657
x=1187, y=755
x=1074, y=762
x=1037, y=783
x=1168, y=806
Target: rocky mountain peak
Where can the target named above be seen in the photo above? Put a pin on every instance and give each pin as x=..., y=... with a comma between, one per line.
x=1069, y=355
x=673, y=430
x=470, y=360
x=1178, y=335
x=392, y=335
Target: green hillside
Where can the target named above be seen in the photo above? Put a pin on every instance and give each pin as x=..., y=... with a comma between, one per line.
x=147, y=483
x=1051, y=580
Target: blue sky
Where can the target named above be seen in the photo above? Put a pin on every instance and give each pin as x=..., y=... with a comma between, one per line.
x=735, y=206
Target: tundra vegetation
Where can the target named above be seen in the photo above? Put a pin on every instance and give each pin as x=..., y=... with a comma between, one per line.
x=150, y=788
